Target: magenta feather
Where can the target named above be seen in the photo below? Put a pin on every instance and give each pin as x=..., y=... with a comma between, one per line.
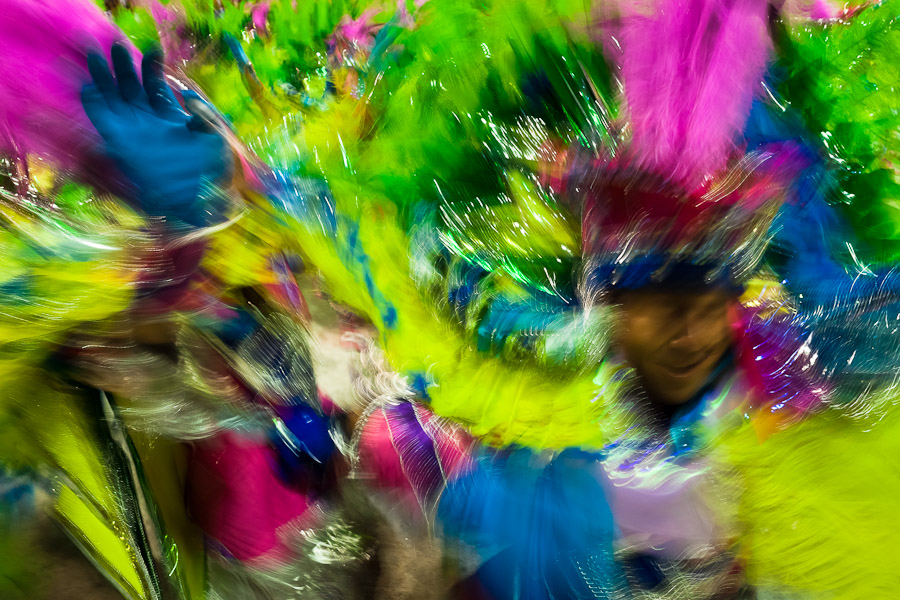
x=43, y=67
x=690, y=69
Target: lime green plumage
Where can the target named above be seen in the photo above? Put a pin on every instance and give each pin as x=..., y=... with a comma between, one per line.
x=842, y=78
x=819, y=510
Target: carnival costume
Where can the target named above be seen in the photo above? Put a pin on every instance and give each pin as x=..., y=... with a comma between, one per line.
x=478, y=182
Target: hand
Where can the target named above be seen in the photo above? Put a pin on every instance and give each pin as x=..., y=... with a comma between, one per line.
x=168, y=155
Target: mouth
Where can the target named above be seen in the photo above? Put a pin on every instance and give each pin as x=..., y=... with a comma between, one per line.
x=686, y=370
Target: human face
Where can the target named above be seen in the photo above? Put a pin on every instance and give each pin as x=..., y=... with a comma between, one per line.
x=674, y=340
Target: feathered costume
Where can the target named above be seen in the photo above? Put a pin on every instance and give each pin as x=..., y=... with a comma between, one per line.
x=477, y=180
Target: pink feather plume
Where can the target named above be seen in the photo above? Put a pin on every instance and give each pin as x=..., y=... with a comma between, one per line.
x=690, y=70
x=43, y=67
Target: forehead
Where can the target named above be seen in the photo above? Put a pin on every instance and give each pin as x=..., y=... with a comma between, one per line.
x=673, y=299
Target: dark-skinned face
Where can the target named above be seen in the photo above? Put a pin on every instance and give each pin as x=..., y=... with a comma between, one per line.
x=674, y=340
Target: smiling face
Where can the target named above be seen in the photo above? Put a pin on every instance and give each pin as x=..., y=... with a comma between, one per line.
x=674, y=340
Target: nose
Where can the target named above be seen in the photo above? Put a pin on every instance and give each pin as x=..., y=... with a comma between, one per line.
x=688, y=335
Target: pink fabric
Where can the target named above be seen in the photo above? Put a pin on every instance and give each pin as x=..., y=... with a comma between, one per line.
x=406, y=474
x=453, y=444
x=379, y=459
x=767, y=353
x=236, y=496
x=259, y=14
x=249, y=173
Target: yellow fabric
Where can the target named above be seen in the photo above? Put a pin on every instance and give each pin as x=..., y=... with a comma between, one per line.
x=104, y=544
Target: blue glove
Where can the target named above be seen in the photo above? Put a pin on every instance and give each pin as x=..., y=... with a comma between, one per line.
x=167, y=154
